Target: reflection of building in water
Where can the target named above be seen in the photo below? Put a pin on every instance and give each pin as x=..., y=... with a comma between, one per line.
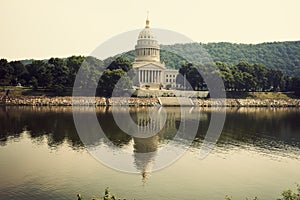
x=168, y=127
x=144, y=154
x=145, y=149
x=166, y=120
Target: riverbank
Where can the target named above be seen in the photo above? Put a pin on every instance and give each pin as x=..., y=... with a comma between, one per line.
x=100, y=101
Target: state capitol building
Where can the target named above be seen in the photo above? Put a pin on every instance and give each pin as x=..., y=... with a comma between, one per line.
x=150, y=70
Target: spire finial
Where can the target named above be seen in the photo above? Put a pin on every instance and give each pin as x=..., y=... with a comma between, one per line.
x=147, y=20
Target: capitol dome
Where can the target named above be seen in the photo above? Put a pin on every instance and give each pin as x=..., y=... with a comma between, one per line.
x=146, y=33
x=149, y=70
x=147, y=48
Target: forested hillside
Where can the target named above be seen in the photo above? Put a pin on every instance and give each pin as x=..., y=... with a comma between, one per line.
x=284, y=56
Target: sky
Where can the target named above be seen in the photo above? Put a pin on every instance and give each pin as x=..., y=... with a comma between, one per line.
x=41, y=29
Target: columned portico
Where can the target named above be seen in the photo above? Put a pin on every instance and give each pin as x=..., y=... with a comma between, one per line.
x=149, y=76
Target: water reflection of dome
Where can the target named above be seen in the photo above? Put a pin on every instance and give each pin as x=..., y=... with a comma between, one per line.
x=144, y=154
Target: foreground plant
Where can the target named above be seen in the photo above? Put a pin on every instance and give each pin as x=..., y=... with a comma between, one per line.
x=285, y=195
x=107, y=196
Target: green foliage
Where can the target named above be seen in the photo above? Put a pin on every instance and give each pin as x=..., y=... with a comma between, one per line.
x=290, y=195
x=107, y=196
x=191, y=74
x=282, y=56
x=117, y=78
x=285, y=195
x=39, y=70
x=90, y=71
x=6, y=72
x=57, y=75
x=120, y=63
x=294, y=85
x=19, y=72
x=278, y=62
x=113, y=80
x=242, y=77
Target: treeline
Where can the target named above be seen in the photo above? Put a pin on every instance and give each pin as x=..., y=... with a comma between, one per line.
x=241, y=77
x=282, y=56
x=58, y=75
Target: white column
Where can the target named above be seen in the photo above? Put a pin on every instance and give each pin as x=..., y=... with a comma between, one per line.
x=151, y=76
x=159, y=75
x=147, y=76
x=140, y=76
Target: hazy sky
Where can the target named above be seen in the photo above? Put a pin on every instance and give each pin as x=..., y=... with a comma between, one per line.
x=59, y=28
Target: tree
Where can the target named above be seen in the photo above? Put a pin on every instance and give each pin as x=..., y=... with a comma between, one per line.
x=73, y=63
x=59, y=72
x=116, y=77
x=6, y=73
x=90, y=72
x=275, y=79
x=260, y=72
x=226, y=75
x=19, y=72
x=194, y=78
x=120, y=63
x=184, y=70
x=39, y=74
x=109, y=80
x=295, y=85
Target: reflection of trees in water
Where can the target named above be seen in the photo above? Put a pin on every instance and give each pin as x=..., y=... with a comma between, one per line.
x=257, y=126
x=248, y=125
x=54, y=123
x=111, y=130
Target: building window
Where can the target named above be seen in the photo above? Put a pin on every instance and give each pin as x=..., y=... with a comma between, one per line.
x=167, y=75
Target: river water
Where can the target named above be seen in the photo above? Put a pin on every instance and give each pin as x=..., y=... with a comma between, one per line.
x=42, y=156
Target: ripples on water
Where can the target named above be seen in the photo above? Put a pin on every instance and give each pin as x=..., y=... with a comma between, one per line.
x=49, y=134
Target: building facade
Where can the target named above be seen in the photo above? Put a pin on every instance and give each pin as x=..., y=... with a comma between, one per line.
x=150, y=70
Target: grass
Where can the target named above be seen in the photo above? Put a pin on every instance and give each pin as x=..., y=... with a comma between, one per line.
x=261, y=95
x=271, y=95
x=27, y=91
x=285, y=195
x=106, y=196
